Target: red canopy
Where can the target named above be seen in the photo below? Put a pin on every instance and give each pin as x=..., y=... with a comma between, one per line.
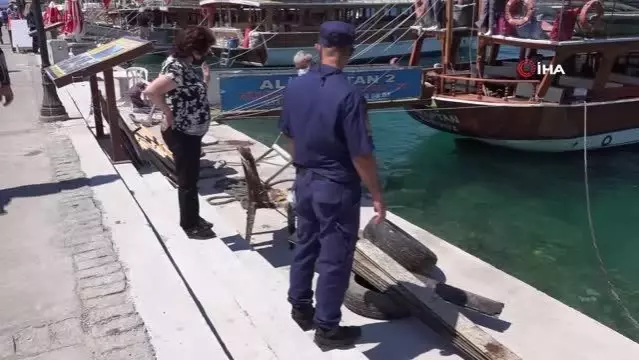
x=52, y=15
x=73, y=22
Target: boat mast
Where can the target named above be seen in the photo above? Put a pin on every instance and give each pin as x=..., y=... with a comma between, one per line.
x=448, y=37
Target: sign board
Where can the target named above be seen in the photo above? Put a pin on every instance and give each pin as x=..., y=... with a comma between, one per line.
x=20, y=34
x=258, y=91
x=97, y=60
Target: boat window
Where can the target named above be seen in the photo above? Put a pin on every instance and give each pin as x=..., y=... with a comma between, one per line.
x=627, y=64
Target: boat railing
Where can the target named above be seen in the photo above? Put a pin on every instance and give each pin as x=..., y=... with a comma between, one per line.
x=316, y=32
x=465, y=84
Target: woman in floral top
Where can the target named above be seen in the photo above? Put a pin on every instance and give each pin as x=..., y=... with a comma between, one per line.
x=181, y=94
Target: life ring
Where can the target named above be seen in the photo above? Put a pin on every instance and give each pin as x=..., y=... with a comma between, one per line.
x=588, y=24
x=509, y=12
x=420, y=8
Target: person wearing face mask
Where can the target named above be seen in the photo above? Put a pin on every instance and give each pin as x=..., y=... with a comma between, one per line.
x=181, y=94
x=303, y=62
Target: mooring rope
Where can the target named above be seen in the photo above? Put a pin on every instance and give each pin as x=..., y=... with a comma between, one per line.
x=379, y=18
x=602, y=266
x=382, y=30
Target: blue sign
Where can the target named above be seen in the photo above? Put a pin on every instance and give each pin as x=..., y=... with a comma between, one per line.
x=259, y=91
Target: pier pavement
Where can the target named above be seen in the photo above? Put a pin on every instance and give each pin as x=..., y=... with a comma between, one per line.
x=73, y=285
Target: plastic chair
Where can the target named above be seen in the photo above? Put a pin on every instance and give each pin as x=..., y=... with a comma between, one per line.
x=137, y=74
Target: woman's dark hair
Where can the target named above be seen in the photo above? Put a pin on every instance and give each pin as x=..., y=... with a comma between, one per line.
x=193, y=39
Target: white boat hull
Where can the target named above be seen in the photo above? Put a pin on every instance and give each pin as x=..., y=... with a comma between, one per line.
x=593, y=142
x=284, y=56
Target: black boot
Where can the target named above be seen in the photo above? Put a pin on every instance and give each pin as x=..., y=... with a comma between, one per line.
x=337, y=337
x=205, y=223
x=303, y=316
x=200, y=232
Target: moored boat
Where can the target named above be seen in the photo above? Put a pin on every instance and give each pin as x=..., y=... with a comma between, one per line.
x=269, y=33
x=583, y=95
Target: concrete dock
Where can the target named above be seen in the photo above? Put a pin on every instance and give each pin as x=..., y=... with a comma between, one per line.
x=216, y=299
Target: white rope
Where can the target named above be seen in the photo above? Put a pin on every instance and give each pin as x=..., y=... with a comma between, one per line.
x=382, y=29
x=613, y=289
x=403, y=34
x=267, y=100
x=379, y=111
x=245, y=107
x=379, y=18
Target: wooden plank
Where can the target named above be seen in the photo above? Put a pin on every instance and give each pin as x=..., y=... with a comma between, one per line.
x=387, y=275
x=467, y=299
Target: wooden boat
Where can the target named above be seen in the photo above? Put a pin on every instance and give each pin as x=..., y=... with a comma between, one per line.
x=588, y=87
x=165, y=18
x=284, y=28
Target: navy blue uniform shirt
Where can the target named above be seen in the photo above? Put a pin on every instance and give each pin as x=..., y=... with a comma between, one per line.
x=327, y=119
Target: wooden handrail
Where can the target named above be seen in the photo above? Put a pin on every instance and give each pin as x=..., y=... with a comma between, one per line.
x=494, y=81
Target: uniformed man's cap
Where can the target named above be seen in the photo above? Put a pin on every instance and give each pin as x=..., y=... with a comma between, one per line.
x=337, y=34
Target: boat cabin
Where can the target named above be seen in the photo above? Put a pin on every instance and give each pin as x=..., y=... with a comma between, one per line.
x=578, y=71
x=290, y=24
x=564, y=60
x=162, y=18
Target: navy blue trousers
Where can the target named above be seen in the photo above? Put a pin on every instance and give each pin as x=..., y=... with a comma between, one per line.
x=328, y=215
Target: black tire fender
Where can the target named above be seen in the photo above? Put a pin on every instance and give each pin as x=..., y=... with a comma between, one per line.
x=402, y=247
x=363, y=299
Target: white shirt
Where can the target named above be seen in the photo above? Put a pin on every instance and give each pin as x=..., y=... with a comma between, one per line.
x=301, y=72
x=254, y=39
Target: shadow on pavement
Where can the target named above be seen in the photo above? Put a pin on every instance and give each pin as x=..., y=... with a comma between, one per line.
x=35, y=190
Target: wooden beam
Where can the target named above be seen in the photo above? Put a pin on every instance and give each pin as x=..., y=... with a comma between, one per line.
x=416, y=52
x=118, y=153
x=481, y=58
x=604, y=70
x=422, y=299
x=548, y=78
x=449, y=34
x=95, y=102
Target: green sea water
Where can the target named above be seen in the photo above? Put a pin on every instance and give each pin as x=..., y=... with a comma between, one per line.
x=524, y=213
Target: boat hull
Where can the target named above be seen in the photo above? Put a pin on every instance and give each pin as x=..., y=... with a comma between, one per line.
x=535, y=127
x=283, y=56
x=384, y=50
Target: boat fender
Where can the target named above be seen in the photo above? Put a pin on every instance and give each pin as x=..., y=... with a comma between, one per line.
x=589, y=24
x=510, y=12
x=420, y=8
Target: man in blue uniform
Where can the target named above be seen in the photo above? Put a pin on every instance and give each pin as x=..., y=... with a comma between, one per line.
x=325, y=117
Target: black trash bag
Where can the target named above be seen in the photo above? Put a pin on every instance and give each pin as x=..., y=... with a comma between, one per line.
x=135, y=96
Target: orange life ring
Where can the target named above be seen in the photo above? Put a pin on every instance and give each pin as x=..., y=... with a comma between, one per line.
x=509, y=12
x=420, y=8
x=588, y=24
